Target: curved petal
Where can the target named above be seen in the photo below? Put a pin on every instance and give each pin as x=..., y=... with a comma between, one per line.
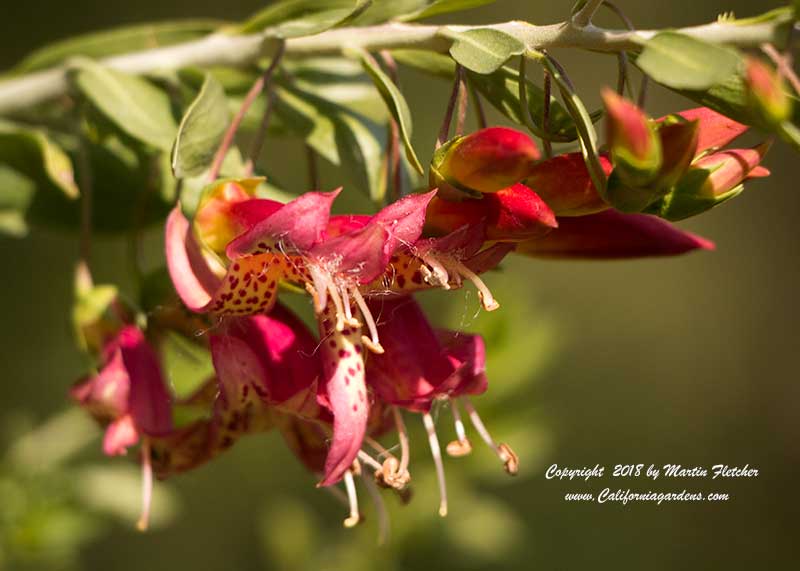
x=343, y=365
x=467, y=352
x=120, y=435
x=611, y=234
x=413, y=363
x=192, y=277
x=715, y=131
x=149, y=402
x=295, y=227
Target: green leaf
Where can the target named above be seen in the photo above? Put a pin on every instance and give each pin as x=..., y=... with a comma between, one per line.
x=135, y=106
x=295, y=18
x=432, y=8
x=484, y=50
x=396, y=103
x=201, y=130
x=336, y=134
x=683, y=62
x=31, y=152
x=117, y=41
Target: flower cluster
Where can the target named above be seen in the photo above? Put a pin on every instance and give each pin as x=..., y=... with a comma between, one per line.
x=375, y=360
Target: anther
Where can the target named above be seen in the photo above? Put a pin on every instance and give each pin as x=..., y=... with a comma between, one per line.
x=436, y=452
x=462, y=446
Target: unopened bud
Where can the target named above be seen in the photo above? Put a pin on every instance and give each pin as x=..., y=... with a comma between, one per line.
x=214, y=221
x=484, y=161
x=767, y=92
x=632, y=139
x=563, y=182
x=711, y=181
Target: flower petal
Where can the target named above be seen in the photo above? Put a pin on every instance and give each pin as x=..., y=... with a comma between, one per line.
x=149, y=403
x=563, y=182
x=105, y=395
x=343, y=365
x=119, y=435
x=715, y=131
x=611, y=234
x=414, y=363
x=467, y=352
x=190, y=273
x=295, y=227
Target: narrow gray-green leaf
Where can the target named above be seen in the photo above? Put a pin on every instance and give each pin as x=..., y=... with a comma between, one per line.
x=33, y=153
x=396, y=103
x=438, y=7
x=16, y=193
x=135, y=106
x=295, y=18
x=682, y=62
x=117, y=41
x=201, y=130
x=484, y=50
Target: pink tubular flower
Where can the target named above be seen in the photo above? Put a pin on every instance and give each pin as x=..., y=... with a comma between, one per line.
x=612, y=235
x=130, y=397
x=420, y=366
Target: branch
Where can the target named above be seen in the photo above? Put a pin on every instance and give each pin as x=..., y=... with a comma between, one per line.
x=221, y=49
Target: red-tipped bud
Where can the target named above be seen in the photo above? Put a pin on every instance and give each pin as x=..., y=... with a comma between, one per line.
x=766, y=91
x=711, y=181
x=484, y=161
x=512, y=214
x=611, y=235
x=215, y=220
x=632, y=139
x=563, y=182
x=678, y=148
x=715, y=131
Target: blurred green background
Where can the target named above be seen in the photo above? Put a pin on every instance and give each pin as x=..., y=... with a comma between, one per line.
x=688, y=360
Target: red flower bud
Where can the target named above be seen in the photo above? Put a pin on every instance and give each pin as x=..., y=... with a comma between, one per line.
x=766, y=91
x=632, y=139
x=563, y=182
x=484, y=161
x=514, y=213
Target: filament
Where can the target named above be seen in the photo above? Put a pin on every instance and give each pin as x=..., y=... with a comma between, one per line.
x=437, y=461
x=147, y=485
x=352, y=499
x=372, y=342
x=462, y=446
x=487, y=299
x=402, y=435
x=380, y=509
x=503, y=451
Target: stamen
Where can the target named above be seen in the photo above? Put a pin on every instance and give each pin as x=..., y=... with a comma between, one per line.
x=372, y=342
x=378, y=447
x=402, y=435
x=380, y=509
x=487, y=299
x=369, y=461
x=348, y=312
x=352, y=498
x=147, y=485
x=319, y=292
x=337, y=303
x=437, y=461
x=462, y=446
x=435, y=273
x=504, y=452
